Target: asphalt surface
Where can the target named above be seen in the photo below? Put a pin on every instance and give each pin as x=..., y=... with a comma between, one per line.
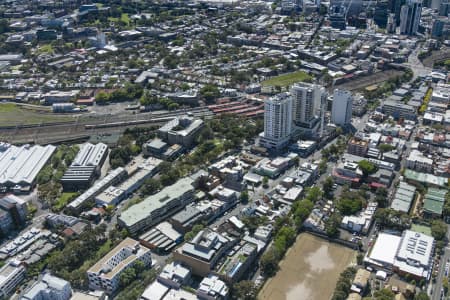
x=436, y=288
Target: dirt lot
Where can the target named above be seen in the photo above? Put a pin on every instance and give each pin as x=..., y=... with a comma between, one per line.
x=309, y=271
x=436, y=56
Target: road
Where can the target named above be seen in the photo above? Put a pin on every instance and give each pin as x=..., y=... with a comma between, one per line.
x=416, y=65
x=441, y=273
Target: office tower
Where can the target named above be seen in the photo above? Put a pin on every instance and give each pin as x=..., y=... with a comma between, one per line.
x=351, y=8
x=277, y=122
x=380, y=16
x=391, y=23
x=394, y=7
x=444, y=8
x=436, y=4
x=337, y=17
x=410, y=17
x=307, y=103
x=341, y=112
x=436, y=30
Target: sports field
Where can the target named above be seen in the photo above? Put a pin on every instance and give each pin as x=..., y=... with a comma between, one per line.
x=287, y=79
x=309, y=271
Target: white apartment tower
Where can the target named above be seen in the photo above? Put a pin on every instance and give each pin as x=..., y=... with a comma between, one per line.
x=307, y=103
x=277, y=122
x=410, y=17
x=341, y=112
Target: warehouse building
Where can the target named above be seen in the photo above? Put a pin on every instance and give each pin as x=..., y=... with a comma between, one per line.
x=85, y=167
x=19, y=166
x=410, y=254
x=403, y=197
x=162, y=238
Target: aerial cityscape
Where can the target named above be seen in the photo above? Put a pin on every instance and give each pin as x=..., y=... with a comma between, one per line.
x=225, y=149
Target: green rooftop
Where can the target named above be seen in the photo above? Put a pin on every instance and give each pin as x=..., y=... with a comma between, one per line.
x=426, y=178
x=433, y=206
x=434, y=201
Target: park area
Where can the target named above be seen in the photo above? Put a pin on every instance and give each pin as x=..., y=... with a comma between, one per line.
x=285, y=80
x=12, y=115
x=309, y=270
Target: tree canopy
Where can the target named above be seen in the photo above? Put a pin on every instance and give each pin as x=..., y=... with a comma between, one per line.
x=367, y=167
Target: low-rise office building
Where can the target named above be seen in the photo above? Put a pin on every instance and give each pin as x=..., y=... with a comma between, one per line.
x=204, y=251
x=13, y=213
x=417, y=161
x=105, y=274
x=181, y=130
x=168, y=284
x=212, y=288
x=11, y=275
x=398, y=109
x=49, y=288
x=357, y=147
x=158, y=207
x=347, y=173
x=113, y=177
x=60, y=96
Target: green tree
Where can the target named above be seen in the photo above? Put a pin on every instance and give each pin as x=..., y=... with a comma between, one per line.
x=367, y=167
x=301, y=211
x=360, y=259
x=349, y=206
x=332, y=225
x=445, y=284
x=139, y=267
x=384, y=294
x=421, y=296
x=210, y=92
x=381, y=197
x=244, y=196
x=438, y=229
x=127, y=276
x=269, y=262
x=244, y=290
x=386, y=147
x=265, y=182
x=314, y=194
x=195, y=230
x=328, y=185
x=102, y=98
x=150, y=186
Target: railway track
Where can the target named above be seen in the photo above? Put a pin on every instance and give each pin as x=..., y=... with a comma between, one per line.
x=84, y=128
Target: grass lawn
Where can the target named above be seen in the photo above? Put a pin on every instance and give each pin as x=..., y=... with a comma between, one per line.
x=46, y=48
x=421, y=228
x=124, y=18
x=287, y=79
x=11, y=114
x=64, y=200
